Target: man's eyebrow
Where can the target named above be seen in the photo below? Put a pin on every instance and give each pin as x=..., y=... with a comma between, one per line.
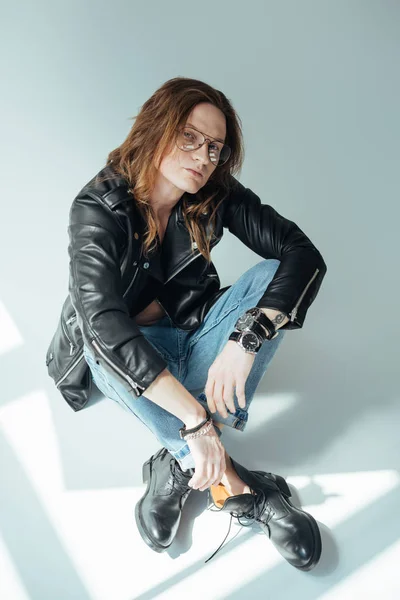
x=216, y=139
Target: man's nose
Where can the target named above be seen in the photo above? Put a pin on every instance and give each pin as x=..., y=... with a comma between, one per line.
x=202, y=153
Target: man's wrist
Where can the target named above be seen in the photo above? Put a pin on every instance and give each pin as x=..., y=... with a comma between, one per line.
x=195, y=417
x=277, y=317
x=264, y=328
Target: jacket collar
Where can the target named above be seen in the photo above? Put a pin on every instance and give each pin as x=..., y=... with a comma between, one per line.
x=115, y=192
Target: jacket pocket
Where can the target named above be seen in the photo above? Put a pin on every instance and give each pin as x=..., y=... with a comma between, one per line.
x=70, y=373
x=49, y=355
x=68, y=335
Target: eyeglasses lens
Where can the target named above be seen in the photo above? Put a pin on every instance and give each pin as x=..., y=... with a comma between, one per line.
x=190, y=139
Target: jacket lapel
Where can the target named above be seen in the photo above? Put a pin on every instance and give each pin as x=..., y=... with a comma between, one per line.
x=176, y=248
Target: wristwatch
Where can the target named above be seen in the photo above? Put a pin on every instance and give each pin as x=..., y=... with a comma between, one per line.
x=252, y=319
x=253, y=326
x=248, y=340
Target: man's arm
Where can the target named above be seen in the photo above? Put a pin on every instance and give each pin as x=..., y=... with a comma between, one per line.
x=270, y=235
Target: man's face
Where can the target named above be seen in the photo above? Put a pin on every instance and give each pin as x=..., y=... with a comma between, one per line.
x=210, y=120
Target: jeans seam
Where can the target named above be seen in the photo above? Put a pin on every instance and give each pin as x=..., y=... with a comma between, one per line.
x=181, y=357
x=108, y=384
x=121, y=399
x=214, y=323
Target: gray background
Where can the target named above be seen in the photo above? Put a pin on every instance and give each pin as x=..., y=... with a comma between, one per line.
x=316, y=85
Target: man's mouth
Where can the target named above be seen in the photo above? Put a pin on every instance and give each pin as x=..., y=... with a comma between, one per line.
x=195, y=173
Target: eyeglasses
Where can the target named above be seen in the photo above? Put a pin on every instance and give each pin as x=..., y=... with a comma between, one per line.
x=189, y=139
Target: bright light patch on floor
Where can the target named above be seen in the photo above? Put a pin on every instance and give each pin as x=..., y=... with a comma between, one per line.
x=99, y=533
x=10, y=336
x=11, y=587
x=265, y=407
x=345, y=494
x=378, y=578
x=220, y=572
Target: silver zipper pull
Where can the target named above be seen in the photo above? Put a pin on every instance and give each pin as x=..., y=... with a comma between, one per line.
x=296, y=308
x=72, y=348
x=138, y=387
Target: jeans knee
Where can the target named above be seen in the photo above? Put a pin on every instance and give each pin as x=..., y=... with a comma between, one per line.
x=262, y=273
x=269, y=265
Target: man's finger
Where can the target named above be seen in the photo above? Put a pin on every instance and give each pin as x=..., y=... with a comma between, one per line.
x=228, y=396
x=240, y=393
x=219, y=399
x=209, y=392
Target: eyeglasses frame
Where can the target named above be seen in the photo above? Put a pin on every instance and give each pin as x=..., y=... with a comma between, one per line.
x=206, y=139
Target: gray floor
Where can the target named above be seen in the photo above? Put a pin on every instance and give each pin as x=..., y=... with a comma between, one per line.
x=67, y=513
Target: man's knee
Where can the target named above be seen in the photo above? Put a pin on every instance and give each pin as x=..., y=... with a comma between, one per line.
x=268, y=266
x=262, y=273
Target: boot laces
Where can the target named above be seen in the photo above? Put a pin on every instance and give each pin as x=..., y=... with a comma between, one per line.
x=179, y=478
x=260, y=506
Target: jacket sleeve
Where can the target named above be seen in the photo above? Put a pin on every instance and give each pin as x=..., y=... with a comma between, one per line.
x=262, y=229
x=96, y=244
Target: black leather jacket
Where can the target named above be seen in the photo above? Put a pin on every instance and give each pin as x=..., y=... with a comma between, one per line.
x=110, y=281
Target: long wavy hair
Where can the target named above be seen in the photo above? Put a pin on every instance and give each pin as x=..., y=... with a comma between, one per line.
x=153, y=134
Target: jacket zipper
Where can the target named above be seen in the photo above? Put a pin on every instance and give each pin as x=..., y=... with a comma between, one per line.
x=78, y=359
x=133, y=383
x=192, y=258
x=179, y=269
x=72, y=318
x=71, y=344
x=295, y=309
x=157, y=300
x=133, y=279
x=129, y=379
x=72, y=347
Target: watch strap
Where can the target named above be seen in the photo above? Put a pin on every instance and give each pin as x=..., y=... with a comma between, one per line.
x=264, y=320
x=258, y=329
x=260, y=321
x=235, y=335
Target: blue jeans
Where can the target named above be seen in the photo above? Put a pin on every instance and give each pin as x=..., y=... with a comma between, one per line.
x=190, y=354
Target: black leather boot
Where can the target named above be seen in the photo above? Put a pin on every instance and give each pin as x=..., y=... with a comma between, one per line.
x=158, y=512
x=294, y=532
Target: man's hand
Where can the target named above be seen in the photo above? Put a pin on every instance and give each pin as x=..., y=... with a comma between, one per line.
x=229, y=371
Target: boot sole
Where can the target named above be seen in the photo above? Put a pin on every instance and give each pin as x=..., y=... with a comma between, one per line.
x=318, y=543
x=145, y=536
x=284, y=488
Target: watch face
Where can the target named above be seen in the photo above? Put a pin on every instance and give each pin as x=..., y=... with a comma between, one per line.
x=244, y=322
x=250, y=341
